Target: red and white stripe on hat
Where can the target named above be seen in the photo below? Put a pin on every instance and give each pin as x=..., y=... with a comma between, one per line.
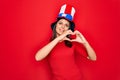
x=67, y=11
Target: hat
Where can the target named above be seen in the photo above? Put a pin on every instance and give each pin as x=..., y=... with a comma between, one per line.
x=67, y=12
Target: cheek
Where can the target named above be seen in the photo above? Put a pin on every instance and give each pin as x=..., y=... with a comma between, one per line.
x=66, y=28
x=57, y=29
x=57, y=26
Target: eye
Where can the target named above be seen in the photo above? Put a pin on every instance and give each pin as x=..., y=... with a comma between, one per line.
x=67, y=25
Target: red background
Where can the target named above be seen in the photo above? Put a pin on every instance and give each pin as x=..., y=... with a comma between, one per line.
x=25, y=28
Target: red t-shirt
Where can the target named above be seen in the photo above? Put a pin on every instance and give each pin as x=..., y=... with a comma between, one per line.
x=62, y=62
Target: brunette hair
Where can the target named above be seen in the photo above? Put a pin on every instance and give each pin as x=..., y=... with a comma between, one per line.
x=53, y=26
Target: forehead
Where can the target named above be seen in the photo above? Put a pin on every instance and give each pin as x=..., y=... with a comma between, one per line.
x=64, y=21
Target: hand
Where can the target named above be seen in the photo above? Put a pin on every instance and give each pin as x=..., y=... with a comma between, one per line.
x=63, y=36
x=79, y=37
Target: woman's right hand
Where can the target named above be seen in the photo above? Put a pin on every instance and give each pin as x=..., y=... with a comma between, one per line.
x=63, y=36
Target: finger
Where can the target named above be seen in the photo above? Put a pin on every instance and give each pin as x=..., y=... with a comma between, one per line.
x=77, y=41
x=70, y=32
x=79, y=34
x=73, y=40
x=66, y=39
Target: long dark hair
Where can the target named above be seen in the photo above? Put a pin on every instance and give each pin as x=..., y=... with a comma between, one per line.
x=53, y=26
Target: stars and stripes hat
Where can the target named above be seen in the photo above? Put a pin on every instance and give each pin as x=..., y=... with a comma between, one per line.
x=67, y=12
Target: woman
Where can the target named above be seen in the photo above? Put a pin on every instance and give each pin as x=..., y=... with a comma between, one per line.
x=62, y=47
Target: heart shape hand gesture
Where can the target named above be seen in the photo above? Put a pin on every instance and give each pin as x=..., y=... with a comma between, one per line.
x=79, y=37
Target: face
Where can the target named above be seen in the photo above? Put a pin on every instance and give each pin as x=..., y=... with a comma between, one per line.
x=62, y=26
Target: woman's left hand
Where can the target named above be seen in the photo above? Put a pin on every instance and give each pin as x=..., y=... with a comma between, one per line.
x=79, y=37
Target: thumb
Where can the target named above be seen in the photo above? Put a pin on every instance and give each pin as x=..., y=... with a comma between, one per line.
x=73, y=40
x=66, y=39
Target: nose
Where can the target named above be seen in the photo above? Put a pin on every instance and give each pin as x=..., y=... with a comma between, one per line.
x=63, y=26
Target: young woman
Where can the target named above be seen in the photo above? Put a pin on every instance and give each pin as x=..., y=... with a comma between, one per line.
x=61, y=50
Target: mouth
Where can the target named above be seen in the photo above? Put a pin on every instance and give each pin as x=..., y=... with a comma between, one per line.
x=61, y=30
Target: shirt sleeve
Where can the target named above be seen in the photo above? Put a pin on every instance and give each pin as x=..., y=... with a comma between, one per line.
x=80, y=49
